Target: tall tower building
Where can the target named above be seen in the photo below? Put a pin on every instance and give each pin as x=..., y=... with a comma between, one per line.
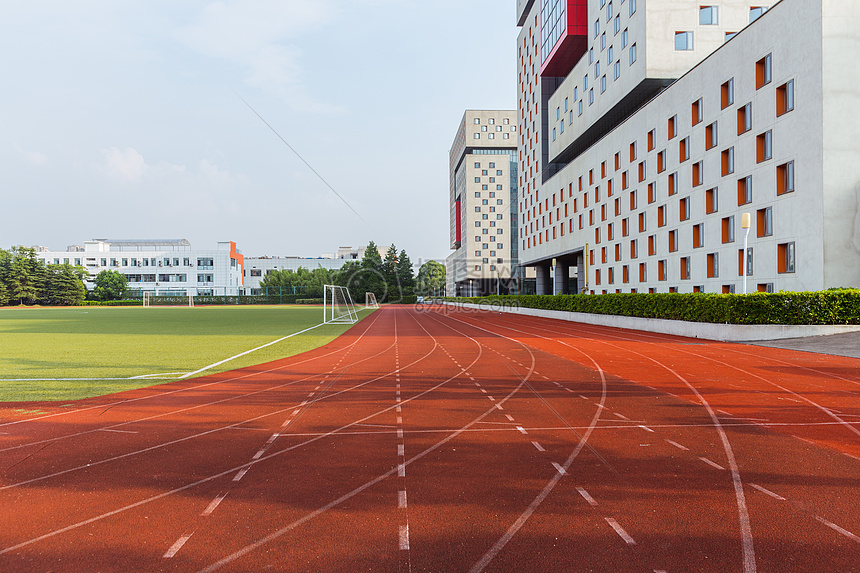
x=648, y=129
x=483, y=205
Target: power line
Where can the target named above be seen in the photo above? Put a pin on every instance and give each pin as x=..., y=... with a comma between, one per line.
x=300, y=157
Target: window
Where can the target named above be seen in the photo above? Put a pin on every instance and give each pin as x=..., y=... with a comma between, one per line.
x=711, y=139
x=785, y=98
x=651, y=136
x=642, y=223
x=727, y=94
x=553, y=134
x=756, y=12
x=696, y=111
x=661, y=216
x=609, y=53
x=763, y=72
x=708, y=16
x=602, y=84
x=652, y=245
x=617, y=24
x=683, y=41
x=765, y=287
x=624, y=38
x=617, y=70
x=633, y=151
x=625, y=227
x=749, y=262
x=785, y=257
x=711, y=201
x=785, y=178
x=483, y=128
x=698, y=173
x=673, y=241
x=661, y=161
x=764, y=146
x=661, y=270
x=685, y=268
x=730, y=35
x=698, y=236
x=596, y=28
x=476, y=135
x=652, y=193
x=745, y=118
x=684, y=150
x=603, y=41
x=671, y=125
x=632, y=7
x=643, y=272
x=591, y=96
x=673, y=183
x=728, y=161
x=477, y=121
x=713, y=265
x=684, y=208
x=632, y=54
x=745, y=190
x=728, y=229
x=764, y=222
x=633, y=200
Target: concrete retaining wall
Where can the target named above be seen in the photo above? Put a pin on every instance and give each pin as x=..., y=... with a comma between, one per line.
x=706, y=330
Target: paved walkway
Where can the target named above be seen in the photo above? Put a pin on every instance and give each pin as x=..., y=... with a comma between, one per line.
x=847, y=344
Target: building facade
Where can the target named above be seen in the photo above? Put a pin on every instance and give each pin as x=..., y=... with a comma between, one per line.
x=483, y=205
x=256, y=268
x=162, y=267
x=648, y=129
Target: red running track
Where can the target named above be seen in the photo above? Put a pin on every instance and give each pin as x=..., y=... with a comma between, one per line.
x=433, y=440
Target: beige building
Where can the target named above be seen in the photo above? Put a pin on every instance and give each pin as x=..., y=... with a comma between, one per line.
x=649, y=128
x=483, y=201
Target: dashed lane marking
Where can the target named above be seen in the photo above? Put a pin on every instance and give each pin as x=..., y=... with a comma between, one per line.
x=560, y=469
x=400, y=450
x=712, y=464
x=838, y=529
x=240, y=475
x=591, y=501
x=623, y=417
x=404, y=537
x=767, y=492
x=401, y=499
x=174, y=549
x=108, y=430
x=522, y=430
x=215, y=502
x=538, y=447
x=620, y=531
x=401, y=470
x=679, y=446
x=646, y=428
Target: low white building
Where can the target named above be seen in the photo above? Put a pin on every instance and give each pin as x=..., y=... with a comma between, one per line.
x=162, y=267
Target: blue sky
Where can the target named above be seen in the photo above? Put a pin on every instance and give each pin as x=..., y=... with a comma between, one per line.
x=118, y=119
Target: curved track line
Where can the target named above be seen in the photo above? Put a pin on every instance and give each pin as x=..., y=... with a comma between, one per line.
x=743, y=512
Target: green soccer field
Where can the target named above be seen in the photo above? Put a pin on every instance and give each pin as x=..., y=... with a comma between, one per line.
x=72, y=353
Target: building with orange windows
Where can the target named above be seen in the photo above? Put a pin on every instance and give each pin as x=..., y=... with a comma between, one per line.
x=648, y=129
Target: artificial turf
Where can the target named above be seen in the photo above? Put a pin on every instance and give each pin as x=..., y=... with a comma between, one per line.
x=43, y=349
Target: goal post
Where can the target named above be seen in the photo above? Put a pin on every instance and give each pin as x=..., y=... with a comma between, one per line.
x=370, y=300
x=338, y=305
x=147, y=299
x=151, y=298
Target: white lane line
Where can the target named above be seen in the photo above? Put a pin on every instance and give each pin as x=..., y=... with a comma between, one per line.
x=522, y=430
x=303, y=403
x=401, y=499
x=560, y=469
x=838, y=529
x=620, y=531
x=117, y=431
x=214, y=504
x=272, y=439
x=659, y=571
x=401, y=470
x=404, y=537
x=591, y=501
x=484, y=391
x=400, y=450
x=724, y=412
x=399, y=420
x=240, y=475
x=712, y=464
x=311, y=395
x=400, y=433
x=509, y=417
x=583, y=397
x=767, y=492
x=499, y=407
x=491, y=398
x=646, y=428
x=259, y=454
x=623, y=417
x=569, y=390
x=174, y=549
x=679, y=446
x=398, y=409
x=538, y=447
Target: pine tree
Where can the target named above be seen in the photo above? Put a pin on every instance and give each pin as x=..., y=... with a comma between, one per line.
x=371, y=278
x=404, y=274
x=389, y=274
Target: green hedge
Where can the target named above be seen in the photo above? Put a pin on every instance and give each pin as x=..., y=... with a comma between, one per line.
x=137, y=302
x=828, y=307
x=309, y=301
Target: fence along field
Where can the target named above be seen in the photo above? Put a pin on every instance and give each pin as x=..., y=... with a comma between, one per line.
x=52, y=354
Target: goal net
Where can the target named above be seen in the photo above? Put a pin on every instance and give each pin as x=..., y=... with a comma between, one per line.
x=337, y=305
x=370, y=300
x=178, y=299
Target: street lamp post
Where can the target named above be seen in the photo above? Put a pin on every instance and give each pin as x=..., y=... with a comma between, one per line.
x=745, y=225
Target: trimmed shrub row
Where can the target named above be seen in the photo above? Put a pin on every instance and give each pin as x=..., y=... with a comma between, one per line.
x=827, y=307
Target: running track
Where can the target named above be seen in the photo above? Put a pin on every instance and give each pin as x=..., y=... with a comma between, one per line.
x=451, y=441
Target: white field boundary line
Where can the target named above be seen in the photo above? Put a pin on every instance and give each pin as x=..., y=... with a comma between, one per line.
x=179, y=390
x=248, y=465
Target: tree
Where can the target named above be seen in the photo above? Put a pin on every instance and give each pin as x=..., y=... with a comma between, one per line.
x=5, y=272
x=389, y=274
x=404, y=274
x=431, y=279
x=371, y=278
x=63, y=285
x=26, y=275
x=110, y=285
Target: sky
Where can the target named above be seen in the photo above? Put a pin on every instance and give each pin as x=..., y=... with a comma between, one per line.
x=124, y=119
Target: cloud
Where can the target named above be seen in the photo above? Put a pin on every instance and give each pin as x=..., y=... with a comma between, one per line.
x=259, y=35
x=32, y=157
x=127, y=165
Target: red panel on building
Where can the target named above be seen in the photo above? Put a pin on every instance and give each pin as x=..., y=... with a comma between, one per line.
x=573, y=42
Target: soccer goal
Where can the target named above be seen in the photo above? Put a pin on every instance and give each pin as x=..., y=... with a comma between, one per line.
x=370, y=300
x=337, y=305
x=167, y=300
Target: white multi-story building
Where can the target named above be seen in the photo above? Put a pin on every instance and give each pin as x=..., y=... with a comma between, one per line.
x=483, y=205
x=162, y=267
x=649, y=128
